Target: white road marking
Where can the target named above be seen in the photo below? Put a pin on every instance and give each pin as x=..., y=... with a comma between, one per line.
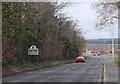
x=52, y=76
x=48, y=71
x=67, y=70
x=73, y=67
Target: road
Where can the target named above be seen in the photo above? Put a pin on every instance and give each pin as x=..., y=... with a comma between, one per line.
x=73, y=72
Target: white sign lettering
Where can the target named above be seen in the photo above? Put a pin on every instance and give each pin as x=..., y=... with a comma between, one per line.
x=33, y=50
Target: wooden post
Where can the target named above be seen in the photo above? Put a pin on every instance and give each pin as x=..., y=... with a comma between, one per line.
x=29, y=58
x=37, y=58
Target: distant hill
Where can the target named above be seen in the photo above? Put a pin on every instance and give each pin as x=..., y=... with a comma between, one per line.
x=102, y=41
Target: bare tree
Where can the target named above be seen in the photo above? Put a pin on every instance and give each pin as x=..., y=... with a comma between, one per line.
x=40, y=24
x=107, y=12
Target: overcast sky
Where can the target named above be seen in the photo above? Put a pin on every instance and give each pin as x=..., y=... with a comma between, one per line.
x=86, y=18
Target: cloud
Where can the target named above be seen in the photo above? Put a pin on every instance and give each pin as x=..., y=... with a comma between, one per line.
x=86, y=18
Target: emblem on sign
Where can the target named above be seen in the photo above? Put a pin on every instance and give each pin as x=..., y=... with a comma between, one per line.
x=33, y=50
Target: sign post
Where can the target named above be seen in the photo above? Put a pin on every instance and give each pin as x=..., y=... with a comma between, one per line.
x=33, y=51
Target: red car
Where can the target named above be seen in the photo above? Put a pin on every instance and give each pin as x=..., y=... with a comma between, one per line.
x=80, y=59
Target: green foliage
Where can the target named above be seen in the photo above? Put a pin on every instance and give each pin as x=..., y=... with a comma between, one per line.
x=117, y=59
x=27, y=23
x=70, y=50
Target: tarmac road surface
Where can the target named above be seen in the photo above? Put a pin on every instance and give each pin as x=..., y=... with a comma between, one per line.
x=73, y=72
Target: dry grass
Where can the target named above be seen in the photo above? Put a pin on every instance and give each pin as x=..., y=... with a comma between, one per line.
x=86, y=55
x=117, y=59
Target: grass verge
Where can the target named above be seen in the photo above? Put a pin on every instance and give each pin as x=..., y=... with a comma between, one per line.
x=11, y=70
x=86, y=55
x=117, y=59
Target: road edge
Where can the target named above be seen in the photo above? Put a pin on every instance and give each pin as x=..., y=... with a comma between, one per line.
x=101, y=75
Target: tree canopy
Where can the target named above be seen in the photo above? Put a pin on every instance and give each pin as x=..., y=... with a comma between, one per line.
x=38, y=23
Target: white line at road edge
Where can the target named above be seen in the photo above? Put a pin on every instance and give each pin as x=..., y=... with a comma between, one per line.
x=104, y=71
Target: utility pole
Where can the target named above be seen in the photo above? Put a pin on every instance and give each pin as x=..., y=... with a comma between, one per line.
x=112, y=41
